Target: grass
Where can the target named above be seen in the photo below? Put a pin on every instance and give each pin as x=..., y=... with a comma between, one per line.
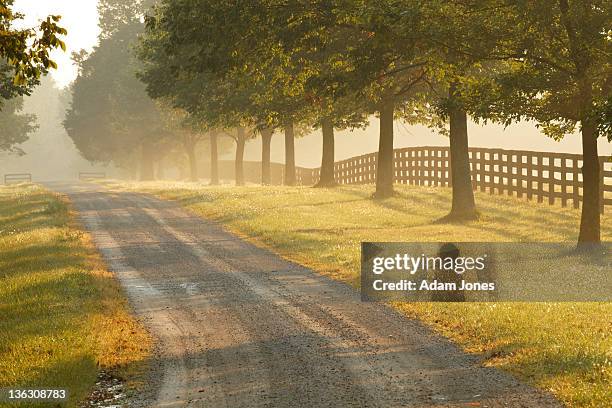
x=63, y=317
x=565, y=348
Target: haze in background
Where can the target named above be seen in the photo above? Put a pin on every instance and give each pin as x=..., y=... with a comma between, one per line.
x=51, y=154
x=521, y=136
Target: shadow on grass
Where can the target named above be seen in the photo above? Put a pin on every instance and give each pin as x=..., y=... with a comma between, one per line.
x=575, y=365
x=25, y=216
x=45, y=334
x=50, y=297
x=495, y=218
x=60, y=375
x=38, y=258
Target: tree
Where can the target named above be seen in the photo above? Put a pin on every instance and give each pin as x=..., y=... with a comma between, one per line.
x=308, y=65
x=8, y=88
x=213, y=136
x=15, y=127
x=180, y=125
x=328, y=159
x=459, y=39
x=266, y=140
x=379, y=68
x=317, y=41
x=249, y=74
x=111, y=117
x=241, y=136
x=301, y=62
x=558, y=74
x=204, y=84
x=273, y=82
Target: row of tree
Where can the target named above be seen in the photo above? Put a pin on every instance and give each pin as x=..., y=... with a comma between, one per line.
x=242, y=69
x=273, y=64
x=112, y=119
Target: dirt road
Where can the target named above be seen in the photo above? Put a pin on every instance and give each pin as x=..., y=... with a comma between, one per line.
x=237, y=326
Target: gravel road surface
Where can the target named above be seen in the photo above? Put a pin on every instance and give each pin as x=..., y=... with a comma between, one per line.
x=237, y=326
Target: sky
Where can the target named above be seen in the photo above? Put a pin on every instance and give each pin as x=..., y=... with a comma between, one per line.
x=79, y=17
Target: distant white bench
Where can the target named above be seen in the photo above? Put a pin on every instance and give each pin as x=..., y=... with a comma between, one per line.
x=17, y=178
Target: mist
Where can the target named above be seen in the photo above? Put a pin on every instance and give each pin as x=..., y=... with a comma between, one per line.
x=519, y=136
x=49, y=153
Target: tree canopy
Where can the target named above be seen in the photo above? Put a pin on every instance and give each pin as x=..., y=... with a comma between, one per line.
x=111, y=116
x=15, y=127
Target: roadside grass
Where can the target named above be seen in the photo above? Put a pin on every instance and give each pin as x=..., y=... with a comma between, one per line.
x=63, y=317
x=565, y=348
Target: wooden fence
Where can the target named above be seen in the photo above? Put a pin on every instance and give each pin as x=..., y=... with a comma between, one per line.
x=85, y=176
x=252, y=171
x=17, y=178
x=534, y=175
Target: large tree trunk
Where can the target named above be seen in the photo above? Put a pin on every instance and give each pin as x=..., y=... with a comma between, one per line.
x=266, y=141
x=384, y=162
x=214, y=160
x=193, y=163
x=289, y=154
x=327, y=178
x=464, y=206
x=238, y=163
x=147, y=169
x=590, y=220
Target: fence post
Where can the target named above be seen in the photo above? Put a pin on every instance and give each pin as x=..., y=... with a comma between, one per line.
x=482, y=170
x=520, y=178
x=551, y=178
x=576, y=183
x=564, y=181
x=540, y=172
x=492, y=172
x=601, y=185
